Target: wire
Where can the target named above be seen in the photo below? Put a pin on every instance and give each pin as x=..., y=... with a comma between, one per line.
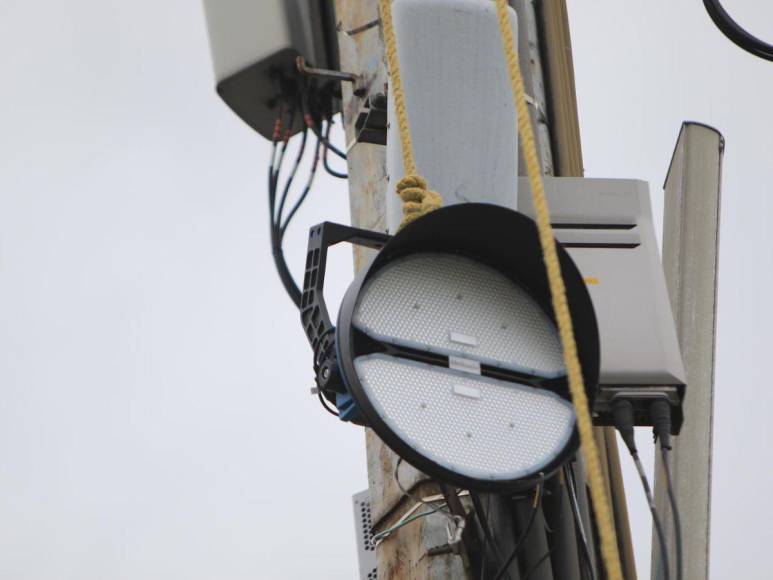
x=278, y=222
x=570, y=484
x=326, y=406
x=483, y=522
x=278, y=217
x=660, y=414
x=329, y=169
x=456, y=523
x=410, y=495
x=275, y=168
x=622, y=411
x=488, y=536
x=563, y=315
x=313, y=126
x=655, y=517
x=383, y=535
x=535, y=508
x=735, y=33
x=306, y=190
x=537, y=565
x=675, y=513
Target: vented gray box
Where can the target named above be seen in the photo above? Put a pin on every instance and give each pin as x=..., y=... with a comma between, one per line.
x=363, y=525
x=606, y=226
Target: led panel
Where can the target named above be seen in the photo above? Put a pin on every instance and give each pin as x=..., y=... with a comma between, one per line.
x=475, y=426
x=450, y=304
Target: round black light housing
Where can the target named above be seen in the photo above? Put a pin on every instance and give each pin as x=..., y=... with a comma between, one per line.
x=446, y=346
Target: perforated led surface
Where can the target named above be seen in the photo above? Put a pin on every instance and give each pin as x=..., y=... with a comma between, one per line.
x=476, y=426
x=453, y=305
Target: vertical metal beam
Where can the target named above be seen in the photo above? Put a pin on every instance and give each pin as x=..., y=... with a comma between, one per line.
x=690, y=259
x=564, y=121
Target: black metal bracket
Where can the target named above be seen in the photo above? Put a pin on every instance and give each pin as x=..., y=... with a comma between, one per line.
x=314, y=314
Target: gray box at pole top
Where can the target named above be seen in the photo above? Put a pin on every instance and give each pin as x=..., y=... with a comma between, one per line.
x=254, y=44
x=606, y=226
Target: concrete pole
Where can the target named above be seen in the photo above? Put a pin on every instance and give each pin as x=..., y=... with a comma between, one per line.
x=690, y=259
x=412, y=552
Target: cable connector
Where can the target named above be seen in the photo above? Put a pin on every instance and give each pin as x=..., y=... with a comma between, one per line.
x=622, y=411
x=660, y=413
x=277, y=130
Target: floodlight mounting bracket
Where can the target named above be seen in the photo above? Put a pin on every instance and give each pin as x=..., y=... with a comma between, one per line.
x=314, y=314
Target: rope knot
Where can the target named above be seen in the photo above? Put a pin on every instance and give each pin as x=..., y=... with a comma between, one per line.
x=417, y=199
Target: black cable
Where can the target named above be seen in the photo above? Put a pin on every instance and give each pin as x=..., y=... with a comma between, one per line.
x=674, y=513
x=326, y=406
x=313, y=126
x=488, y=536
x=284, y=272
x=586, y=553
x=305, y=192
x=329, y=169
x=285, y=140
x=482, y=517
x=537, y=565
x=735, y=33
x=276, y=219
x=277, y=252
x=279, y=227
x=535, y=508
x=660, y=413
x=622, y=410
x=655, y=518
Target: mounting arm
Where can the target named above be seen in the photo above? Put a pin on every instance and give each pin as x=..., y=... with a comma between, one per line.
x=314, y=315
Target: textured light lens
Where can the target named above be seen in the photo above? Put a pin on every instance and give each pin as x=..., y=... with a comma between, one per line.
x=450, y=304
x=476, y=426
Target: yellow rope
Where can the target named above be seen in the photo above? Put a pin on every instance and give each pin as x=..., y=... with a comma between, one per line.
x=412, y=189
x=601, y=507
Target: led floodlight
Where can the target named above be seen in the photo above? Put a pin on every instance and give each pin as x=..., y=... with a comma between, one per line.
x=447, y=348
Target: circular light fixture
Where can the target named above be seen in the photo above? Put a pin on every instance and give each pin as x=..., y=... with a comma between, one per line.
x=447, y=348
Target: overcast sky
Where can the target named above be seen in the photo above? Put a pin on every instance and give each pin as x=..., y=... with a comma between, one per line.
x=156, y=419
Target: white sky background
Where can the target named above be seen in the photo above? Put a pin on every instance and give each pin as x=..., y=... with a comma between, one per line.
x=155, y=418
